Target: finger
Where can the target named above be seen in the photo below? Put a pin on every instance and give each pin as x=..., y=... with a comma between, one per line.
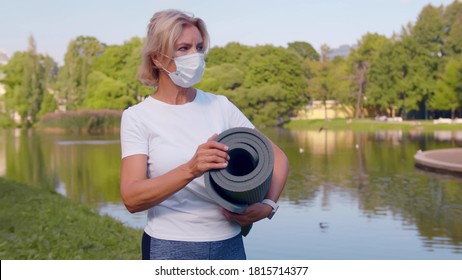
x=216, y=159
x=216, y=144
x=228, y=214
x=210, y=154
x=203, y=167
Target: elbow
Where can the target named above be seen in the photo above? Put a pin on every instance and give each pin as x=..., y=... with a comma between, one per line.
x=130, y=203
x=131, y=207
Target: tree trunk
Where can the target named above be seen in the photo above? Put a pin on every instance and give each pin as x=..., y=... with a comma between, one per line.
x=360, y=95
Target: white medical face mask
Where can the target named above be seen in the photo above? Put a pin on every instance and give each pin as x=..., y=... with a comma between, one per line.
x=189, y=70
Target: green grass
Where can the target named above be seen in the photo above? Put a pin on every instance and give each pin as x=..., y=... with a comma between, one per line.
x=370, y=125
x=41, y=224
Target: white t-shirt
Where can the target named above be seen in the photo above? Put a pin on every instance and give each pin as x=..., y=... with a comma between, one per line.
x=170, y=135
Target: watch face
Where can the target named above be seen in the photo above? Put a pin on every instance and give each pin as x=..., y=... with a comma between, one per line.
x=272, y=214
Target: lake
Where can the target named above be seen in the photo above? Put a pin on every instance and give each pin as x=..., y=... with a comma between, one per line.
x=349, y=195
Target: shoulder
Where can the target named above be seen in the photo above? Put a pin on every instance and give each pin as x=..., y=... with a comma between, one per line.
x=139, y=107
x=212, y=97
x=137, y=112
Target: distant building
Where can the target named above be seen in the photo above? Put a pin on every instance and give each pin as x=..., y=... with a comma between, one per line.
x=330, y=110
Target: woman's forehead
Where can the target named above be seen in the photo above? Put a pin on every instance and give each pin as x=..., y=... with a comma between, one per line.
x=190, y=34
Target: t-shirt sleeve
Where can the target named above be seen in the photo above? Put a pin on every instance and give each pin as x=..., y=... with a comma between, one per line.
x=235, y=116
x=133, y=138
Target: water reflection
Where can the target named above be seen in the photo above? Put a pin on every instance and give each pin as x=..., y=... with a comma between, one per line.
x=342, y=186
x=377, y=171
x=85, y=170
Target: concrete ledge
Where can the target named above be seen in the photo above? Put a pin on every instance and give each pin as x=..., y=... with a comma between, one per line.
x=441, y=160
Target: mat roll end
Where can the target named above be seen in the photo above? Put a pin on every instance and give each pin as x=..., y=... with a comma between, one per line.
x=247, y=178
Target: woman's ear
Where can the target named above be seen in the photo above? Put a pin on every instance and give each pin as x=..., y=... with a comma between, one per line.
x=155, y=61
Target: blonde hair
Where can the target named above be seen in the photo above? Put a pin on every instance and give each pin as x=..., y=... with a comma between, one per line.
x=163, y=30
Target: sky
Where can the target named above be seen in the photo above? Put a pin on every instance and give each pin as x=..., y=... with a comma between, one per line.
x=54, y=23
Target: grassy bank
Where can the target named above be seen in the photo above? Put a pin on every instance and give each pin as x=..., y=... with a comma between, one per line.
x=371, y=125
x=84, y=121
x=41, y=224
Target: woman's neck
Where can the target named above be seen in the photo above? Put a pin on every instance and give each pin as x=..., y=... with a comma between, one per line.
x=174, y=95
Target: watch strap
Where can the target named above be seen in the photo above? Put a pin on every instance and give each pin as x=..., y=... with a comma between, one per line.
x=273, y=205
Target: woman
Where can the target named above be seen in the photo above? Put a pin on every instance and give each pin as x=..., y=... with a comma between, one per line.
x=168, y=143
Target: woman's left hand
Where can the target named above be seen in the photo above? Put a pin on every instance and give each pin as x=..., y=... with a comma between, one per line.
x=251, y=214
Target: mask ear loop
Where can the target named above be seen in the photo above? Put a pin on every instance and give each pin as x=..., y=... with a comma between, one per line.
x=159, y=65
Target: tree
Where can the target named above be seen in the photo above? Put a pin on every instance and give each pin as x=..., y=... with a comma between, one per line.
x=232, y=53
x=428, y=35
x=13, y=76
x=29, y=78
x=404, y=75
x=361, y=58
x=305, y=50
x=449, y=93
x=453, y=26
x=330, y=79
x=270, y=66
x=72, y=77
x=222, y=78
x=266, y=82
x=104, y=92
x=121, y=63
x=390, y=82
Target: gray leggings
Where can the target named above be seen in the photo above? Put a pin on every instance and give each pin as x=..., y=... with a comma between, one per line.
x=159, y=249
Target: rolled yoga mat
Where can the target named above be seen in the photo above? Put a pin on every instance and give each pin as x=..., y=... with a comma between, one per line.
x=247, y=177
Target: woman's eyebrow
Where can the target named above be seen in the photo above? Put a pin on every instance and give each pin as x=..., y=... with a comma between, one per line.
x=188, y=44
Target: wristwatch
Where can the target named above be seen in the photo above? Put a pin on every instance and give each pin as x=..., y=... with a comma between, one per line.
x=273, y=205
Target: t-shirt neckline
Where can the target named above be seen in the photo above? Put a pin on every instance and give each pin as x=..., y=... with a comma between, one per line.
x=156, y=101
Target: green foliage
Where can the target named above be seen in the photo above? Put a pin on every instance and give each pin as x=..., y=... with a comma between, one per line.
x=28, y=77
x=72, y=77
x=360, y=60
x=41, y=224
x=381, y=74
x=231, y=53
x=265, y=82
x=330, y=80
x=305, y=50
x=453, y=22
x=221, y=78
x=397, y=78
x=120, y=64
x=48, y=105
x=104, y=92
x=449, y=93
x=5, y=120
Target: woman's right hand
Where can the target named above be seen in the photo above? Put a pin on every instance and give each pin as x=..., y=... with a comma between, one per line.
x=210, y=155
x=140, y=193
